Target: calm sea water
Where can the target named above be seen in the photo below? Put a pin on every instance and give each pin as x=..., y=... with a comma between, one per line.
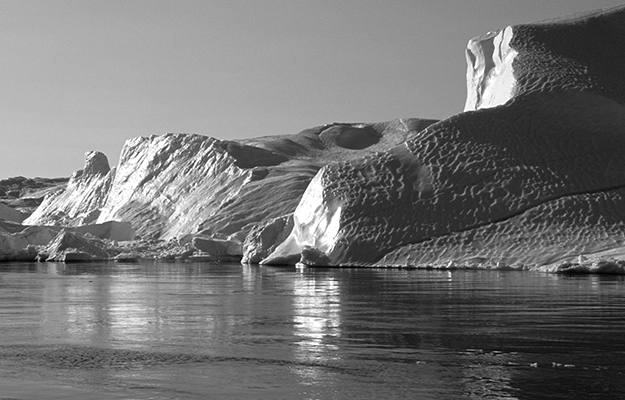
x=196, y=331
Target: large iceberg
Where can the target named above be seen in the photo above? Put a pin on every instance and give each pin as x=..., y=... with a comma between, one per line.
x=532, y=173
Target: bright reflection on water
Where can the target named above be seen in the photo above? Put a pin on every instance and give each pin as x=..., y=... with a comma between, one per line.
x=316, y=319
x=194, y=331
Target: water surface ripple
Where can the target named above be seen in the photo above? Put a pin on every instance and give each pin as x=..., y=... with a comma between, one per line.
x=195, y=331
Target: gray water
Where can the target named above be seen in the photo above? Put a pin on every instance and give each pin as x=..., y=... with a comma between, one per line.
x=196, y=331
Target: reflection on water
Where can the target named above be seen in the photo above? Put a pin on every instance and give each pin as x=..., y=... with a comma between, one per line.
x=166, y=331
x=316, y=317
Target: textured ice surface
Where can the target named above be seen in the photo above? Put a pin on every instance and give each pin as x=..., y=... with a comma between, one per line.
x=178, y=184
x=531, y=174
x=534, y=175
x=80, y=202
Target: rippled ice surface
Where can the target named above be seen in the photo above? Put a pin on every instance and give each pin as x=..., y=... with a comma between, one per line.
x=195, y=331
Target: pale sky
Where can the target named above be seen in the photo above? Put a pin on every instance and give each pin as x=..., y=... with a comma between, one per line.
x=88, y=75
